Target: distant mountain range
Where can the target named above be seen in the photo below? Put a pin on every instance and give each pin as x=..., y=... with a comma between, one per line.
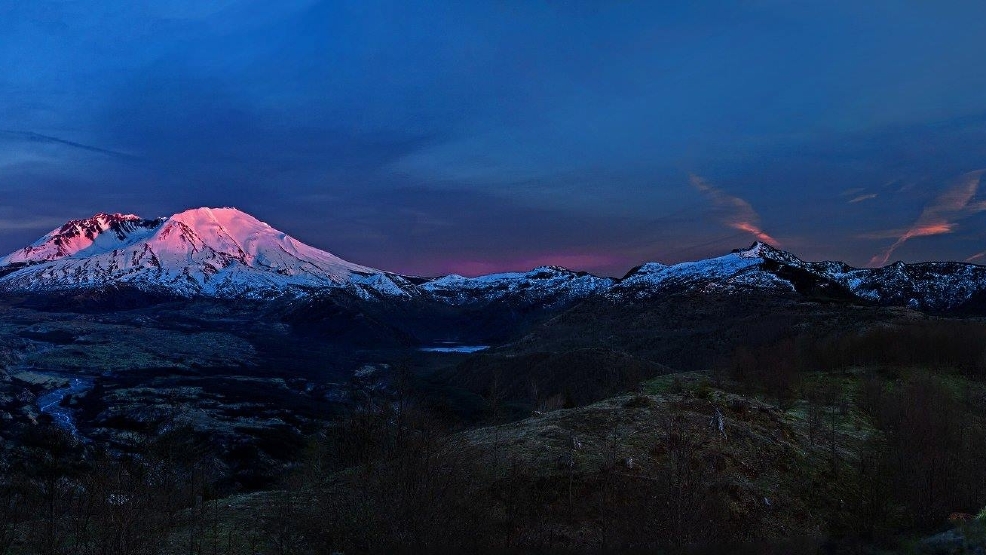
x=226, y=253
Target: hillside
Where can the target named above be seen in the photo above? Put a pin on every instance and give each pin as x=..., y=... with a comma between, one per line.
x=683, y=466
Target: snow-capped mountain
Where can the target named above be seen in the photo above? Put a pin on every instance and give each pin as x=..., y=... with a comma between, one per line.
x=546, y=285
x=219, y=252
x=743, y=268
x=223, y=252
x=932, y=286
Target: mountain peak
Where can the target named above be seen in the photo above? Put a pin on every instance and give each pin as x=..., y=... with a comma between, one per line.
x=225, y=215
x=94, y=225
x=97, y=233
x=759, y=249
x=210, y=251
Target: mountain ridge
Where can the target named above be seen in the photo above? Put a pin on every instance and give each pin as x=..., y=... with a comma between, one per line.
x=227, y=253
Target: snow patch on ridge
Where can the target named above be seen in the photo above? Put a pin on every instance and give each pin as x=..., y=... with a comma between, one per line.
x=653, y=278
x=550, y=285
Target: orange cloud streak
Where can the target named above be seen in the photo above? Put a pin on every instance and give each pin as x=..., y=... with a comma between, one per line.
x=939, y=217
x=734, y=211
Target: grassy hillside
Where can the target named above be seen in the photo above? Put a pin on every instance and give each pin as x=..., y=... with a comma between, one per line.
x=683, y=464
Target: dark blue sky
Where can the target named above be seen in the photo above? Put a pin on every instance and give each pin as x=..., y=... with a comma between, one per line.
x=429, y=137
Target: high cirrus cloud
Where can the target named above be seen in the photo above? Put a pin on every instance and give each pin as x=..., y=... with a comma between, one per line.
x=861, y=198
x=31, y=136
x=734, y=211
x=942, y=215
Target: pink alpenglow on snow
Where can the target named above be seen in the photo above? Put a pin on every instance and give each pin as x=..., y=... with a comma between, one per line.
x=203, y=251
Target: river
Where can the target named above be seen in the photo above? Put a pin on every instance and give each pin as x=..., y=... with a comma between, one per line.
x=51, y=403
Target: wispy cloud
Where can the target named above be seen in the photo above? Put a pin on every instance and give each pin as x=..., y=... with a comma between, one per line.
x=861, y=198
x=734, y=211
x=39, y=138
x=857, y=194
x=942, y=215
x=882, y=234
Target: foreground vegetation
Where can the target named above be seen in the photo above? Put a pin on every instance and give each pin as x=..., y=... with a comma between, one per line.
x=857, y=441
